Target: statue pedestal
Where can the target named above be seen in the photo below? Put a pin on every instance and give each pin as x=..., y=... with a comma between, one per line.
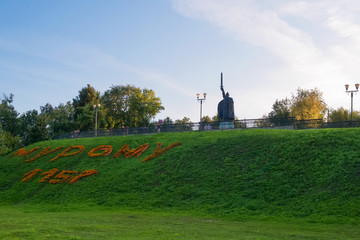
x=226, y=125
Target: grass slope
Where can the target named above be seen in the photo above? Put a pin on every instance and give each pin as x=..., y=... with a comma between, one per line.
x=312, y=173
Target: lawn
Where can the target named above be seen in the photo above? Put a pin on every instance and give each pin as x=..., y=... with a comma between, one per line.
x=54, y=222
x=241, y=184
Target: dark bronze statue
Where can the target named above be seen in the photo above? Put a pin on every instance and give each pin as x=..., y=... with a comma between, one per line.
x=225, y=106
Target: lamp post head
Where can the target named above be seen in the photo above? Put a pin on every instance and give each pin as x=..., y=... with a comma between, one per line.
x=357, y=86
x=347, y=87
x=198, y=95
x=204, y=95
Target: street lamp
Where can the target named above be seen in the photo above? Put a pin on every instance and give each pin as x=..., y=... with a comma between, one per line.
x=96, y=106
x=201, y=101
x=352, y=94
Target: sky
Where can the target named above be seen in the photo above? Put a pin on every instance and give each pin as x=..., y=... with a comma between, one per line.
x=266, y=50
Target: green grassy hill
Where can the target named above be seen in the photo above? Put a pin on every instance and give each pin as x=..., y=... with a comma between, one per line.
x=312, y=173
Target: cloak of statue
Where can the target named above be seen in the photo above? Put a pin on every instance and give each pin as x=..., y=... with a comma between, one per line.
x=225, y=106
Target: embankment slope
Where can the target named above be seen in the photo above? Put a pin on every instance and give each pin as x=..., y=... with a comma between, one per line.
x=310, y=173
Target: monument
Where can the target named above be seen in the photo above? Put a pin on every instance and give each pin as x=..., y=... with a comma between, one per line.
x=226, y=109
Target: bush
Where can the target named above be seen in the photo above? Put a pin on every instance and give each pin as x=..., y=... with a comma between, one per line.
x=8, y=142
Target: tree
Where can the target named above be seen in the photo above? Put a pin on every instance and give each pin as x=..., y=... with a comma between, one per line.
x=34, y=127
x=206, y=119
x=47, y=109
x=8, y=116
x=168, y=121
x=281, y=109
x=341, y=115
x=116, y=105
x=86, y=118
x=183, y=124
x=87, y=96
x=279, y=116
x=8, y=142
x=130, y=106
x=185, y=120
x=215, y=118
x=307, y=104
x=62, y=119
x=144, y=105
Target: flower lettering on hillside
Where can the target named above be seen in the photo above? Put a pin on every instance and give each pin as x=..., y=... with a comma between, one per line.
x=44, y=152
x=55, y=176
x=105, y=150
x=48, y=174
x=82, y=175
x=100, y=151
x=30, y=175
x=159, y=151
x=67, y=152
x=131, y=152
x=22, y=152
x=63, y=177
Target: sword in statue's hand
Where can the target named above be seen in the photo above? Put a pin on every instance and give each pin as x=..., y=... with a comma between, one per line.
x=221, y=86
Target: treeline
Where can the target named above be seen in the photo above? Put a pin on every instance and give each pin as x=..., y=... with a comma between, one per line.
x=119, y=106
x=129, y=106
x=309, y=104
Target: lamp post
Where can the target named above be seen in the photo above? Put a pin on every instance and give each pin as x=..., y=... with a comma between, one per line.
x=201, y=101
x=352, y=94
x=96, y=106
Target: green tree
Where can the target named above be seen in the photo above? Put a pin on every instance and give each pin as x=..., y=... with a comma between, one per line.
x=130, y=106
x=8, y=115
x=168, y=121
x=116, y=105
x=47, y=109
x=144, y=105
x=87, y=118
x=183, y=124
x=281, y=109
x=62, y=119
x=279, y=116
x=185, y=120
x=206, y=119
x=307, y=104
x=87, y=96
x=8, y=142
x=34, y=127
x=215, y=118
x=341, y=115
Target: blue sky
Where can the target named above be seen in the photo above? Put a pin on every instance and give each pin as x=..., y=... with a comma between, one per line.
x=266, y=49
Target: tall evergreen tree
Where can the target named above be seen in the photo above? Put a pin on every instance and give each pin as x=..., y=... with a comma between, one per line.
x=87, y=96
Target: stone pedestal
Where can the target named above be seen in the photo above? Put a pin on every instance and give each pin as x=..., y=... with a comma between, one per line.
x=226, y=125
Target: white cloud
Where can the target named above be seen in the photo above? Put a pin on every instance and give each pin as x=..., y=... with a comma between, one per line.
x=304, y=60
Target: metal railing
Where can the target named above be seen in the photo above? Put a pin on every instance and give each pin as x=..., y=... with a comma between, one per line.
x=320, y=123
x=272, y=123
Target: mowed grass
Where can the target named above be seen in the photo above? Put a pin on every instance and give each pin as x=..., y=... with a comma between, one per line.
x=237, y=184
x=55, y=222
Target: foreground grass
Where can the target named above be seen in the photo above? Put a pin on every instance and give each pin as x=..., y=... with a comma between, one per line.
x=312, y=174
x=53, y=222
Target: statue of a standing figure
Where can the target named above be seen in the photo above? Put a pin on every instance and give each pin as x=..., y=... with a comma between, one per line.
x=225, y=106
